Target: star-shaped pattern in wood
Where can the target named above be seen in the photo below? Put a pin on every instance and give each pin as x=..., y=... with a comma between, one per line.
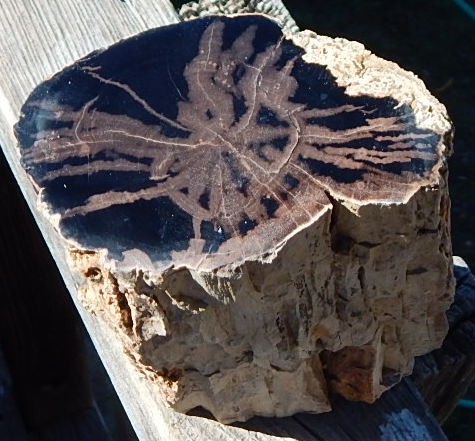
x=210, y=142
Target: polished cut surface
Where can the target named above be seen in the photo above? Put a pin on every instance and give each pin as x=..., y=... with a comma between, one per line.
x=210, y=142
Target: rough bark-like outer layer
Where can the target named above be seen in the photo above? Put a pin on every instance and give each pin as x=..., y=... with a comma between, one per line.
x=260, y=222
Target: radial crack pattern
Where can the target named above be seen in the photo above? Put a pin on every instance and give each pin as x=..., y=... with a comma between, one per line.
x=210, y=142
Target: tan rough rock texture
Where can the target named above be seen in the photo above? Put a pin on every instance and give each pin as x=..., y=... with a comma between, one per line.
x=345, y=301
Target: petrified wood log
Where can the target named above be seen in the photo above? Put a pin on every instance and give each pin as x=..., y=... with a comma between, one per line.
x=261, y=215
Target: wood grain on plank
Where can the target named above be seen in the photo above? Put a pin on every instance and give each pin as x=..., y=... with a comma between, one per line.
x=444, y=375
x=38, y=39
x=41, y=37
x=36, y=318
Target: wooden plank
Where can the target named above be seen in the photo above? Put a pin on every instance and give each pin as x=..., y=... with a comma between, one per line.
x=105, y=396
x=36, y=318
x=40, y=37
x=39, y=337
x=444, y=375
x=399, y=415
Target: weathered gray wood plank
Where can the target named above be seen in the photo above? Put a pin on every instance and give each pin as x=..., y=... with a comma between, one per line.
x=36, y=318
x=444, y=375
x=41, y=37
x=399, y=415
